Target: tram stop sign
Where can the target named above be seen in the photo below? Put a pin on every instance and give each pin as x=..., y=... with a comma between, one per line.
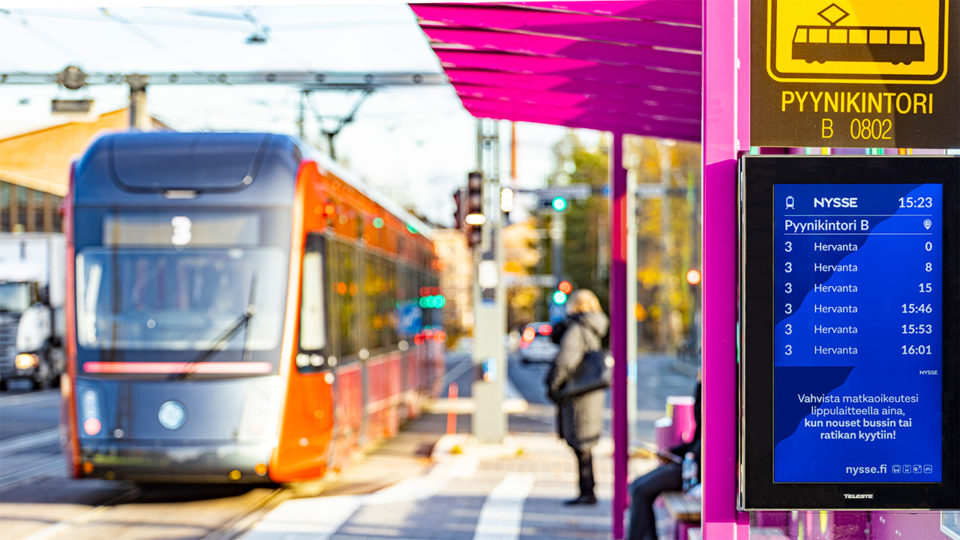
x=855, y=73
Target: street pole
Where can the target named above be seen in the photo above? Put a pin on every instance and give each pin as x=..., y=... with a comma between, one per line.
x=139, y=117
x=557, y=227
x=633, y=366
x=489, y=298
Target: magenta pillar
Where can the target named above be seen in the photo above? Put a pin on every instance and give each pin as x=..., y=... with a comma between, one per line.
x=619, y=303
x=725, y=105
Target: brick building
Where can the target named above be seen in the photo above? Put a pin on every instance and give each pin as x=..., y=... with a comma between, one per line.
x=35, y=169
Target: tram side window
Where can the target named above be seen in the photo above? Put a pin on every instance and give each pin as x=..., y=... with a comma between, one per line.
x=313, y=334
x=388, y=302
x=380, y=296
x=404, y=296
x=373, y=284
x=344, y=297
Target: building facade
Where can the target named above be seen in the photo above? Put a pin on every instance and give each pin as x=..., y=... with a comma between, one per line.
x=35, y=169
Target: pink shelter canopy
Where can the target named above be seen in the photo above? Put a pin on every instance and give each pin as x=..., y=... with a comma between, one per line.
x=627, y=67
x=630, y=67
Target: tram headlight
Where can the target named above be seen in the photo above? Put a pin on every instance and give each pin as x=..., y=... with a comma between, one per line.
x=171, y=414
x=90, y=412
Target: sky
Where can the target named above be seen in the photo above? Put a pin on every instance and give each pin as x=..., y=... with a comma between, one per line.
x=414, y=145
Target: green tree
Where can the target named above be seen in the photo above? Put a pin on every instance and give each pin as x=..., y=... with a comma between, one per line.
x=586, y=222
x=668, y=237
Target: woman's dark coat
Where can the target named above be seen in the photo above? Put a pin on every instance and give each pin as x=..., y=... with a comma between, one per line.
x=580, y=420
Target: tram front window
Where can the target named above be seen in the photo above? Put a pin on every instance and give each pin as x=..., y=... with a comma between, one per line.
x=186, y=300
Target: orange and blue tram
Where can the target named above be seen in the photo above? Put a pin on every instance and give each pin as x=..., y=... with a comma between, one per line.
x=236, y=311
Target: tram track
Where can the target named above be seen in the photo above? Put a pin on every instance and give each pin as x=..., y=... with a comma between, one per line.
x=85, y=516
x=247, y=518
x=40, y=468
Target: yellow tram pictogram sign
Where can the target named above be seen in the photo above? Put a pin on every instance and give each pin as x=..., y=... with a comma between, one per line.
x=857, y=41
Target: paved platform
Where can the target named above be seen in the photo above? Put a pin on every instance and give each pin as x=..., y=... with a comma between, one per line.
x=425, y=484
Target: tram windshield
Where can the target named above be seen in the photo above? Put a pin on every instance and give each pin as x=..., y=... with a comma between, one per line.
x=180, y=299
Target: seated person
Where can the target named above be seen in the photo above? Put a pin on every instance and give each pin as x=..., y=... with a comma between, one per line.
x=666, y=477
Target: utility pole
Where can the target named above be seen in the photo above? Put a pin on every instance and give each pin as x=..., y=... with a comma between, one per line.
x=557, y=230
x=139, y=118
x=489, y=297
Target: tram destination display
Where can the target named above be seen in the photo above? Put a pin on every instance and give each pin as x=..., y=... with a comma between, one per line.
x=848, y=347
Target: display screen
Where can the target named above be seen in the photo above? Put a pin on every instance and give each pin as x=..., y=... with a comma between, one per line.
x=858, y=332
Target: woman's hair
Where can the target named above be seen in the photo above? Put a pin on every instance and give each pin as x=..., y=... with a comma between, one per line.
x=583, y=301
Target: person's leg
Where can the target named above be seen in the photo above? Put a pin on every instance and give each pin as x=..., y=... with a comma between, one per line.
x=643, y=492
x=585, y=463
x=585, y=474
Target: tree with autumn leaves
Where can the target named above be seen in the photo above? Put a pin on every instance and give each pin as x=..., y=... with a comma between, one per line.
x=668, y=225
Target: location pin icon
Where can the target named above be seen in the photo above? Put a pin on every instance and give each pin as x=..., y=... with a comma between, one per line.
x=927, y=224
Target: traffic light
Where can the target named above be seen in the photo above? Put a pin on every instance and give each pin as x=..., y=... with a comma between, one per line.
x=473, y=216
x=559, y=204
x=693, y=277
x=460, y=210
x=559, y=296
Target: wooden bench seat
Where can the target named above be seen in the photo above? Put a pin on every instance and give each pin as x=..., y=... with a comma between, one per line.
x=682, y=507
x=684, y=510
x=762, y=533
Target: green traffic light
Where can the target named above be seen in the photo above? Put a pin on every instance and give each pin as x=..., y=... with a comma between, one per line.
x=433, y=301
x=559, y=204
x=559, y=297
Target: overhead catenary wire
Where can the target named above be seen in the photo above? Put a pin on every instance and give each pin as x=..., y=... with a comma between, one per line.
x=25, y=23
x=140, y=33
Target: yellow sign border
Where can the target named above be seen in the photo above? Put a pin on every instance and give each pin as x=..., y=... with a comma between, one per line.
x=800, y=79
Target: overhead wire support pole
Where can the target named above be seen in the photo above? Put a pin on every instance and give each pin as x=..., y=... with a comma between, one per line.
x=74, y=78
x=343, y=121
x=306, y=79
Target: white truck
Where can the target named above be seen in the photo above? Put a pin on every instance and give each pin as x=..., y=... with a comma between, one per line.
x=32, y=287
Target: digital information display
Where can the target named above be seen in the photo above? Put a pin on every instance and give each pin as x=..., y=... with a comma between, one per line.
x=852, y=349
x=857, y=340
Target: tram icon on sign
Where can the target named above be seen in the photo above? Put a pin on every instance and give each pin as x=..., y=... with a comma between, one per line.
x=834, y=43
x=858, y=41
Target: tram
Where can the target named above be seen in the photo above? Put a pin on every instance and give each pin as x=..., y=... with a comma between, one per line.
x=894, y=44
x=236, y=312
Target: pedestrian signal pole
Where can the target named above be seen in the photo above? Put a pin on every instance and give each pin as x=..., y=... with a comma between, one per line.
x=489, y=296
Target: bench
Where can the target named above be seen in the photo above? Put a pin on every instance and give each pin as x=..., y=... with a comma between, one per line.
x=684, y=510
x=762, y=533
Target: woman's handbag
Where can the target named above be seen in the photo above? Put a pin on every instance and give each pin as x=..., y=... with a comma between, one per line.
x=595, y=372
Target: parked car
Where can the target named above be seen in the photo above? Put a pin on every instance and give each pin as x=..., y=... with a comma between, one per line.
x=535, y=343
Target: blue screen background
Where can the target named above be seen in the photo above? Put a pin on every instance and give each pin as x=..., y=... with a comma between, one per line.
x=891, y=270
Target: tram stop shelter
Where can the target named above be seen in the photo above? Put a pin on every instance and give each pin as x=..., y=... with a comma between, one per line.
x=662, y=68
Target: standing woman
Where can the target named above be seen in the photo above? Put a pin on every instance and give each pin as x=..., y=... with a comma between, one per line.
x=579, y=419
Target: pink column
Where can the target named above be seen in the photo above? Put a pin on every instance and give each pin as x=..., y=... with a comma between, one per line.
x=619, y=303
x=722, y=101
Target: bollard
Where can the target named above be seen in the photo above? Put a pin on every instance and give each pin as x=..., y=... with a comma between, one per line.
x=452, y=391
